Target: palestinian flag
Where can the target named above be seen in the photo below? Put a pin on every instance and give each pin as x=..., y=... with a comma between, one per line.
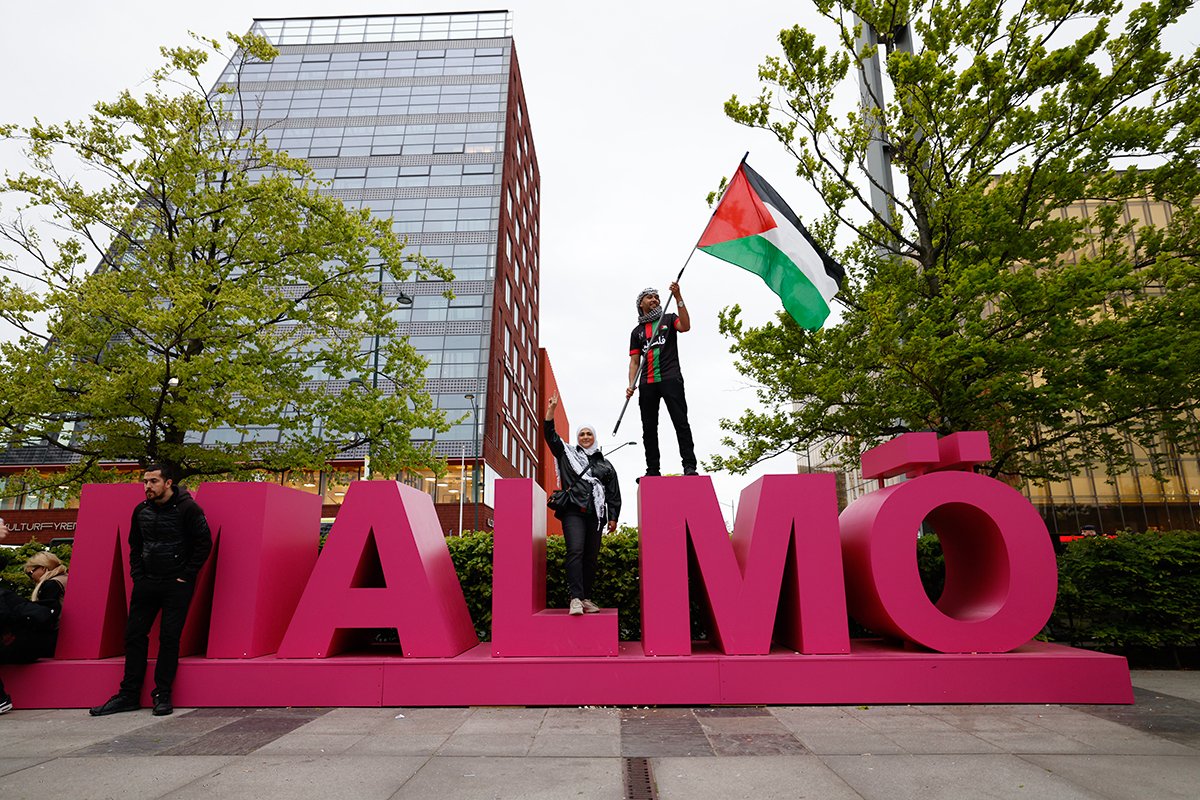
x=756, y=230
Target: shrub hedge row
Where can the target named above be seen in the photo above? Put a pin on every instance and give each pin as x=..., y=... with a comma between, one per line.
x=1135, y=590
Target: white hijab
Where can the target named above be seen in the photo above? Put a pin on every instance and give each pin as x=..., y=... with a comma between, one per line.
x=578, y=457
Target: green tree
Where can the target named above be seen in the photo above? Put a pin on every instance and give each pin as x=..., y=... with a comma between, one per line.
x=975, y=301
x=229, y=290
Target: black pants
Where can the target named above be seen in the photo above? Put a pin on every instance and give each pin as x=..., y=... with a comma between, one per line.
x=671, y=392
x=150, y=596
x=582, y=534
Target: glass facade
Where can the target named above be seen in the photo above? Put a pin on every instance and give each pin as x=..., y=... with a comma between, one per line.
x=420, y=120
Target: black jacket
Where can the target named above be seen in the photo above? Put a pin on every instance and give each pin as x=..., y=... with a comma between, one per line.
x=581, y=491
x=168, y=541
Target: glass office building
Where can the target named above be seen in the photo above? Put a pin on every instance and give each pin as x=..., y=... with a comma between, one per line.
x=422, y=120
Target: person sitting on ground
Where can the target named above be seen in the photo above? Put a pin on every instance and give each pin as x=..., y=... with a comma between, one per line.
x=595, y=495
x=50, y=576
x=28, y=631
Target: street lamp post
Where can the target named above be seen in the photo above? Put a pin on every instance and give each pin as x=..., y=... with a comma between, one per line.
x=475, y=436
x=404, y=300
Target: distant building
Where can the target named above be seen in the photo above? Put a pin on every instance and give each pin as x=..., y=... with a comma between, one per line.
x=421, y=118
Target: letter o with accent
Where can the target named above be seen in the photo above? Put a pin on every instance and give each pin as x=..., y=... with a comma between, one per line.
x=1001, y=575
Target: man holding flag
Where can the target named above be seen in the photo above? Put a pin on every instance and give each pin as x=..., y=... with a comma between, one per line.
x=654, y=353
x=755, y=229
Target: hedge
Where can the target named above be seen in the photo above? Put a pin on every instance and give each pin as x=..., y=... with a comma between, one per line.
x=1135, y=590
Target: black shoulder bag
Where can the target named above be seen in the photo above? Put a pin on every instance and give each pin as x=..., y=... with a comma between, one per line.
x=560, y=499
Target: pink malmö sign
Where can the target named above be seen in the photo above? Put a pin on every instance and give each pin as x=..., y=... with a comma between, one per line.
x=274, y=622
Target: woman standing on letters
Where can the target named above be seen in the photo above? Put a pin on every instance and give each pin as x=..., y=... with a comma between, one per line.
x=595, y=499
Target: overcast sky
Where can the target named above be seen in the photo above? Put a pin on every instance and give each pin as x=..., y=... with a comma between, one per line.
x=625, y=103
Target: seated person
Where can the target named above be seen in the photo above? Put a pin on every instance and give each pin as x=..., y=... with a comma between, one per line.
x=50, y=579
x=28, y=631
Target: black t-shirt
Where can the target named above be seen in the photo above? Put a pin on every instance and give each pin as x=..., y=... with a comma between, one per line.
x=662, y=354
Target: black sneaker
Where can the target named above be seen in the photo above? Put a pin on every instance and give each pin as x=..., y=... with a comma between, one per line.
x=648, y=475
x=5, y=704
x=690, y=471
x=116, y=704
x=162, y=703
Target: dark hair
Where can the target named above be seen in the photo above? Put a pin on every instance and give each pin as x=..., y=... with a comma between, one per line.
x=168, y=471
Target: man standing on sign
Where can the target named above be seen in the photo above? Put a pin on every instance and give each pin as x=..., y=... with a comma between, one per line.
x=169, y=542
x=654, y=347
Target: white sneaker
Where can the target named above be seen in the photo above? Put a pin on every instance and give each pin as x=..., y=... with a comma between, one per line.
x=576, y=607
x=590, y=608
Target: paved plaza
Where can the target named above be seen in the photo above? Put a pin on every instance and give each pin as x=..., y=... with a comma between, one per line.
x=1147, y=750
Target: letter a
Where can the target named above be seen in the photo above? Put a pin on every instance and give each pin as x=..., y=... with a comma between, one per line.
x=421, y=597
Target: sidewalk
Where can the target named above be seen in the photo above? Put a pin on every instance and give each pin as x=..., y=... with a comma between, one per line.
x=1148, y=750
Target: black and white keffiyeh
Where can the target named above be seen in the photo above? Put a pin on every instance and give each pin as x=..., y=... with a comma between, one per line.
x=578, y=457
x=649, y=316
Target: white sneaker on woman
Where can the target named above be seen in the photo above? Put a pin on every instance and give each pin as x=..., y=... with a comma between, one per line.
x=590, y=608
x=576, y=607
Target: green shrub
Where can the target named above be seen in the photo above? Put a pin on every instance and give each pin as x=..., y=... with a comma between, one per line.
x=1134, y=590
x=617, y=580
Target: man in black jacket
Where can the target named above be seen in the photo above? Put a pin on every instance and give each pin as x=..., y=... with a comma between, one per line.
x=169, y=542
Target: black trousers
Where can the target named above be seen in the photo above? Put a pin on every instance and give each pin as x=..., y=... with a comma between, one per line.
x=582, y=535
x=671, y=392
x=150, y=596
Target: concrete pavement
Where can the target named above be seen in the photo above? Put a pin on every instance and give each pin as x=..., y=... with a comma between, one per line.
x=1148, y=750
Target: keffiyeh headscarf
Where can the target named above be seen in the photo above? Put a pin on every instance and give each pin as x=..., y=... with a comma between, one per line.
x=649, y=316
x=578, y=457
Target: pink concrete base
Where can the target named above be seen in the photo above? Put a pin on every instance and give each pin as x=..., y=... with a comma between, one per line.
x=873, y=673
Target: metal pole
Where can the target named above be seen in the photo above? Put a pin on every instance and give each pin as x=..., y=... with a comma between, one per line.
x=476, y=438
x=462, y=484
x=374, y=374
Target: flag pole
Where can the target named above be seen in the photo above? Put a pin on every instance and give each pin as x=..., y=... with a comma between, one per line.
x=658, y=322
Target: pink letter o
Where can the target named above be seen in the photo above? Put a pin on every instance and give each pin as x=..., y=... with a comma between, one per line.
x=1001, y=576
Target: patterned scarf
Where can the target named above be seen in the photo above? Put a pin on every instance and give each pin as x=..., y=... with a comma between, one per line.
x=577, y=457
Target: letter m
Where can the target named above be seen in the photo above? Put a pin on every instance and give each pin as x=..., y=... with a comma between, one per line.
x=779, y=576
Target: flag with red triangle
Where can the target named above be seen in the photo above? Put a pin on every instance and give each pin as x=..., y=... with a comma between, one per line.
x=756, y=230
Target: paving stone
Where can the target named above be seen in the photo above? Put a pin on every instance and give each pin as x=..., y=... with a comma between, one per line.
x=1172, y=682
x=576, y=744
x=11, y=765
x=487, y=744
x=136, y=744
x=951, y=777
x=222, y=743
x=755, y=744
x=303, y=778
x=761, y=724
x=731, y=711
x=311, y=744
x=1158, y=777
x=406, y=744
x=21, y=747
x=922, y=741
x=654, y=747
x=843, y=743
x=100, y=778
x=749, y=777
x=582, y=720
x=526, y=778
x=503, y=720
